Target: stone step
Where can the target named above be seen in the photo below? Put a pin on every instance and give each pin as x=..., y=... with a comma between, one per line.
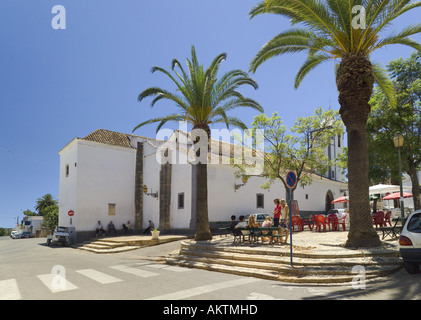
x=298, y=252
x=280, y=272
x=109, y=250
x=273, y=262
x=296, y=269
x=299, y=261
x=108, y=243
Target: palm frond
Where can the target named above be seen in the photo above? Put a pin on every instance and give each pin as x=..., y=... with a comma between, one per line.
x=162, y=120
x=290, y=41
x=382, y=79
x=401, y=38
x=231, y=121
x=161, y=94
x=310, y=63
x=378, y=17
x=202, y=97
x=314, y=14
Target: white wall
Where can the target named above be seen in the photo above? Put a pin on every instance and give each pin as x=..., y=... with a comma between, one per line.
x=181, y=177
x=103, y=174
x=151, y=169
x=68, y=184
x=224, y=201
x=106, y=174
x=316, y=194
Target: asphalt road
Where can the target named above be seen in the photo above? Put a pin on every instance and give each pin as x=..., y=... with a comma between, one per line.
x=30, y=270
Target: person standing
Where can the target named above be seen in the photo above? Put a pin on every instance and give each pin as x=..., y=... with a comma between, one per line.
x=284, y=218
x=276, y=212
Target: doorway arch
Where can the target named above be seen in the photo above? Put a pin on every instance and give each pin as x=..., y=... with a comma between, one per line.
x=328, y=201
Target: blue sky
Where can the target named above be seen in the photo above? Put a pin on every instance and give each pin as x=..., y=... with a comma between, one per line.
x=56, y=85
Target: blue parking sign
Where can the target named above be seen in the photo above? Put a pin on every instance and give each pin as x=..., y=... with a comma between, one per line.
x=291, y=179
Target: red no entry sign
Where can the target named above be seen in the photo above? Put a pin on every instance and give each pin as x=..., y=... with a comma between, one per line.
x=71, y=213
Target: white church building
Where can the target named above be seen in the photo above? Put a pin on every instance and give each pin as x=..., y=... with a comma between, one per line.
x=113, y=176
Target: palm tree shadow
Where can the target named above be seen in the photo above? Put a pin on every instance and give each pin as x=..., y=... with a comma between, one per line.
x=397, y=286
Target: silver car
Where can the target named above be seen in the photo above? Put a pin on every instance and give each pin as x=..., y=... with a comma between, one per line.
x=260, y=217
x=410, y=242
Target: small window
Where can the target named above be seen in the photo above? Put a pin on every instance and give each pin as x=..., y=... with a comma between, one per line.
x=111, y=209
x=260, y=200
x=181, y=200
x=339, y=140
x=67, y=170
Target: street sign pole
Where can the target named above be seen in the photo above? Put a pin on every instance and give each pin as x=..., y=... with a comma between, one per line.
x=291, y=182
x=290, y=228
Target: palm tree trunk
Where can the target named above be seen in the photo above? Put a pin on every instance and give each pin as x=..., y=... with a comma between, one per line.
x=202, y=216
x=354, y=81
x=412, y=172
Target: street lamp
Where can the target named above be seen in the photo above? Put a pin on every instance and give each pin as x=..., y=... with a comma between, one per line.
x=153, y=194
x=398, y=141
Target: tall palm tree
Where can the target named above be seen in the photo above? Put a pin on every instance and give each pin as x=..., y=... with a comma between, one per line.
x=45, y=201
x=203, y=100
x=331, y=29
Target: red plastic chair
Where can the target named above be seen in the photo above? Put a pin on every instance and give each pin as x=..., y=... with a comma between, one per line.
x=297, y=221
x=378, y=219
x=341, y=222
x=312, y=221
x=332, y=220
x=320, y=221
x=387, y=218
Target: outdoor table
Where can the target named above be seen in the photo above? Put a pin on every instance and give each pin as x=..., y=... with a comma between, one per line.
x=226, y=229
x=394, y=230
x=254, y=232
x=269, y=231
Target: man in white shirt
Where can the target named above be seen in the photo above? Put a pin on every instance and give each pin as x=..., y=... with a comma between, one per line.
x=99, y=228
x=242, y=223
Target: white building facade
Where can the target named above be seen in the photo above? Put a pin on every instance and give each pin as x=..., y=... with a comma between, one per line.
x=112, y=176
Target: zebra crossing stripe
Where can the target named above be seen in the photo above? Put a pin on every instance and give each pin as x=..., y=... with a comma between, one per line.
x=98, y=276
x=9, y=290
x=56, y=283
x=170, y=268
x=134, y=271
x=191, y=292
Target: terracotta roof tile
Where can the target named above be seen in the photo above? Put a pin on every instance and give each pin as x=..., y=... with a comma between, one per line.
x=109, y=137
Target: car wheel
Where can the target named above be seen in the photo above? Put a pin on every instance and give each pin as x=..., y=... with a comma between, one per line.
x=411, y=267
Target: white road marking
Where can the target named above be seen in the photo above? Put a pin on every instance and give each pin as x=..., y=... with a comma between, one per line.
x=204, y=289
x=56, y=283
x=9, y=290
x=98, y=276
x=135, y=271
x=259, y=296
x=170, y=268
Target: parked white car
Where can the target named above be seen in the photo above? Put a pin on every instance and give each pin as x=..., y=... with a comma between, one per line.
x=60, y=236
x=260, y=217
x=410, y=242
x=15, y=235
x=340, y=213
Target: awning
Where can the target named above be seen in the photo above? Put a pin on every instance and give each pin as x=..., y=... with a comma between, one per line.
x=386, y=188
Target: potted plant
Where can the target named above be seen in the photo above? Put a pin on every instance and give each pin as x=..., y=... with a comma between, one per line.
x=155, y=233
